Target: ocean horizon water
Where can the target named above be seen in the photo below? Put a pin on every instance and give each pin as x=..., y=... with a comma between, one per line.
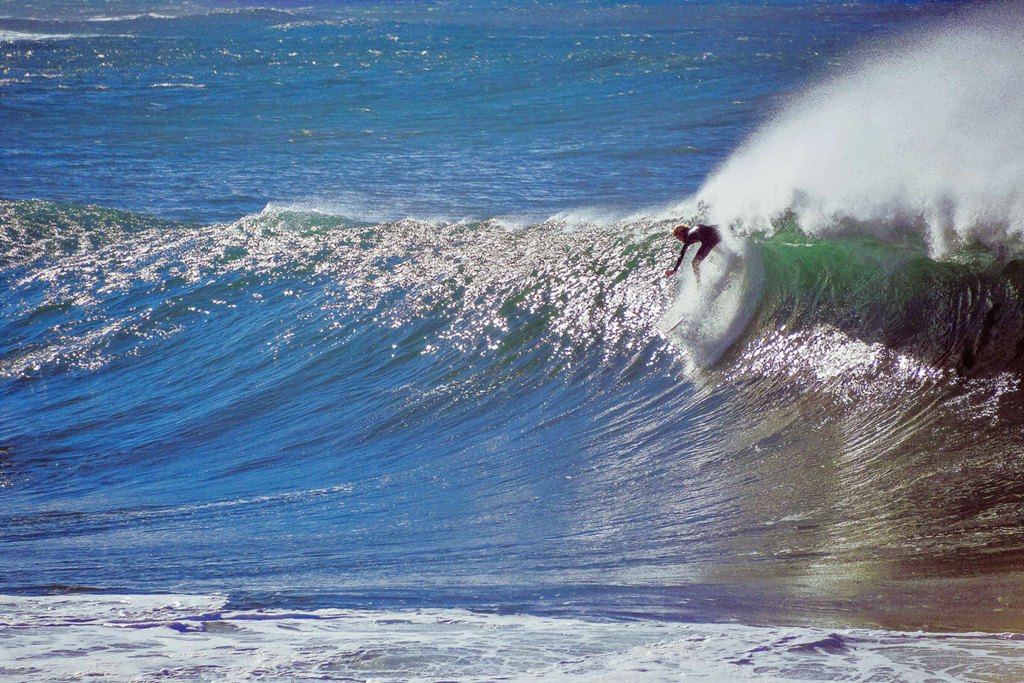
x=335, y=341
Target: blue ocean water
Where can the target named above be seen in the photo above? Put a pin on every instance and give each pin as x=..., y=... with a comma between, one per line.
x=361, y=304
x=400, y=109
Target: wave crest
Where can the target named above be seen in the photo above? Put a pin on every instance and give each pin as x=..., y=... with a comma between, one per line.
x=922, y=133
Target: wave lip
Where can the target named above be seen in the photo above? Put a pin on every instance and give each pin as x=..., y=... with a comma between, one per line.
x=922, y=132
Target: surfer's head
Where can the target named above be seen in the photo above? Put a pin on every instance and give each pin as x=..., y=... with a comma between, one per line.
x=681, y=231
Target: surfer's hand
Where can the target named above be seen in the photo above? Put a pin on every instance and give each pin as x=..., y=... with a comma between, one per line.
x=669, y=273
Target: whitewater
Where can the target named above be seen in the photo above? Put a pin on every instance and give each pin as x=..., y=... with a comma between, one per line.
x=335, y=342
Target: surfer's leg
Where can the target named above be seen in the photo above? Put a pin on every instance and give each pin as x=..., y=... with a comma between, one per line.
x=704, y=250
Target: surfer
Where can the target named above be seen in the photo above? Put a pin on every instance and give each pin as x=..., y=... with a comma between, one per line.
x=708, y=237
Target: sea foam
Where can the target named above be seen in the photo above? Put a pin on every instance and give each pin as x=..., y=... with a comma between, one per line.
x=202, y=638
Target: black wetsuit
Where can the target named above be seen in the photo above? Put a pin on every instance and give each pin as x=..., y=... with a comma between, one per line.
x=708, y=237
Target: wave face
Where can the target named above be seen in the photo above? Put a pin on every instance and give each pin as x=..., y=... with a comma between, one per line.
x=919, y=133
x=304, y=409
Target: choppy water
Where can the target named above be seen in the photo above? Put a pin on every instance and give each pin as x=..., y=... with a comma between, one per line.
x=362, y=308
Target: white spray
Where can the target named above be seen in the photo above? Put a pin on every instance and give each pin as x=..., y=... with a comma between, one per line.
x=707, y=318
x=928, y=133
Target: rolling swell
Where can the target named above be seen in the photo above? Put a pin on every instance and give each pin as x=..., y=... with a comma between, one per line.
x=463, y=404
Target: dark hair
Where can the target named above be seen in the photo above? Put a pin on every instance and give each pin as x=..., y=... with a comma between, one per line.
x=681, y=230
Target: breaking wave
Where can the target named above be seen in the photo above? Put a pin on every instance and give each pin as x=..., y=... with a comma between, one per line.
x=843, y=403
x=919, y=135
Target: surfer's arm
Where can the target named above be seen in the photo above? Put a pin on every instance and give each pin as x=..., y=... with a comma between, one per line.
x=679, y=261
